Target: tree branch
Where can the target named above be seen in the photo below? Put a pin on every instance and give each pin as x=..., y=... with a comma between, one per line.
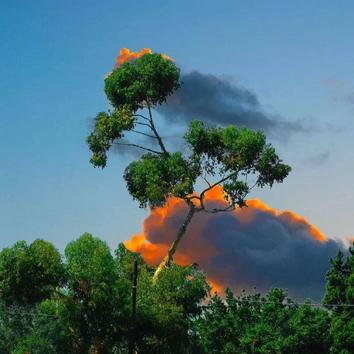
x=217, y=210
x=142, y=133
x=140, y=147
x=202, y=194
x=249, y=189
x=192, y=197
x=145, y=124
x=206, y=181
x=141, y=116
x=162, y=146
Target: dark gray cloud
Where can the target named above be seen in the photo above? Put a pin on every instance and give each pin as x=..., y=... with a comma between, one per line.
x=253, y=247
x=220, y=102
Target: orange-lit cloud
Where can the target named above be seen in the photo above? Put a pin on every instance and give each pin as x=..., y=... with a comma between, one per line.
x=126, y=54
x=257, y=246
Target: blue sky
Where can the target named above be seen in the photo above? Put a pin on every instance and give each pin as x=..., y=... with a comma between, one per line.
x=296, y=56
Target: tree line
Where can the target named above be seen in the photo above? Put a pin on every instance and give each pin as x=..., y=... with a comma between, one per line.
x=82, y=303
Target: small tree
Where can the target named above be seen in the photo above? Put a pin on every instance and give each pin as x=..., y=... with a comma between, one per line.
x=236, y=159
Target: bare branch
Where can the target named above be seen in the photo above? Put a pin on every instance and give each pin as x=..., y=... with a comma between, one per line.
x=141, y=116
x=162, y=146
x=255, y=184
x=142, y=133
x=189, y=201
x=211, y=186
x=206, y=181
x=192, y=197
x=139, y=146
x=218, y=210
x=216, y=183
x=145, y=124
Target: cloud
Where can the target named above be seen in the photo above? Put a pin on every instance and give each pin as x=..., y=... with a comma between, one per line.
x=257, y=246
x=320, y=158
x=220, y=102
x=341, y=90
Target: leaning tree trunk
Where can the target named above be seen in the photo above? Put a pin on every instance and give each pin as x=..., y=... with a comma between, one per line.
x=169, y=257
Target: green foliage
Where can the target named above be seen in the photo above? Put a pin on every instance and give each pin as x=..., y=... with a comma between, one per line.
x=150, y=79
x=340, y=293
x=164, y=311
x=14, y=325
x=308, y=331
x=256, y=324
x=235, y=152
x=34, y=345
x=108, y=127
x=337, y=279
x=96, y=296
x=342, y=333
x=90, y=269
x=152, y=179
x=29, y=274
x=91, y=311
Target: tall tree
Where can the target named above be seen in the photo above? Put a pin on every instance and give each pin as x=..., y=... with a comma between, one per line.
x=237, y=159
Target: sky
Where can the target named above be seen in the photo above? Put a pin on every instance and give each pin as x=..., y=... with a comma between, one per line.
x=296, y=57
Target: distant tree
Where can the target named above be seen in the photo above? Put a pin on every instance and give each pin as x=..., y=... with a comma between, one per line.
x=29, y=274
x=340, y=300
x=237, y=159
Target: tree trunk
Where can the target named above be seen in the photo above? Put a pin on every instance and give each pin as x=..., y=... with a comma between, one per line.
x=169, y=257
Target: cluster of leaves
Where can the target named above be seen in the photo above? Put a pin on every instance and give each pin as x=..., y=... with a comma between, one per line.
x=108, y=127
x=234, y=153
x=149, y=80
x=29, y=274
x=153, y=178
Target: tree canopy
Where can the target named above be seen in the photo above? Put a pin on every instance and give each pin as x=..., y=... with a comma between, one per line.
x=235, y=158
x=29, y=274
